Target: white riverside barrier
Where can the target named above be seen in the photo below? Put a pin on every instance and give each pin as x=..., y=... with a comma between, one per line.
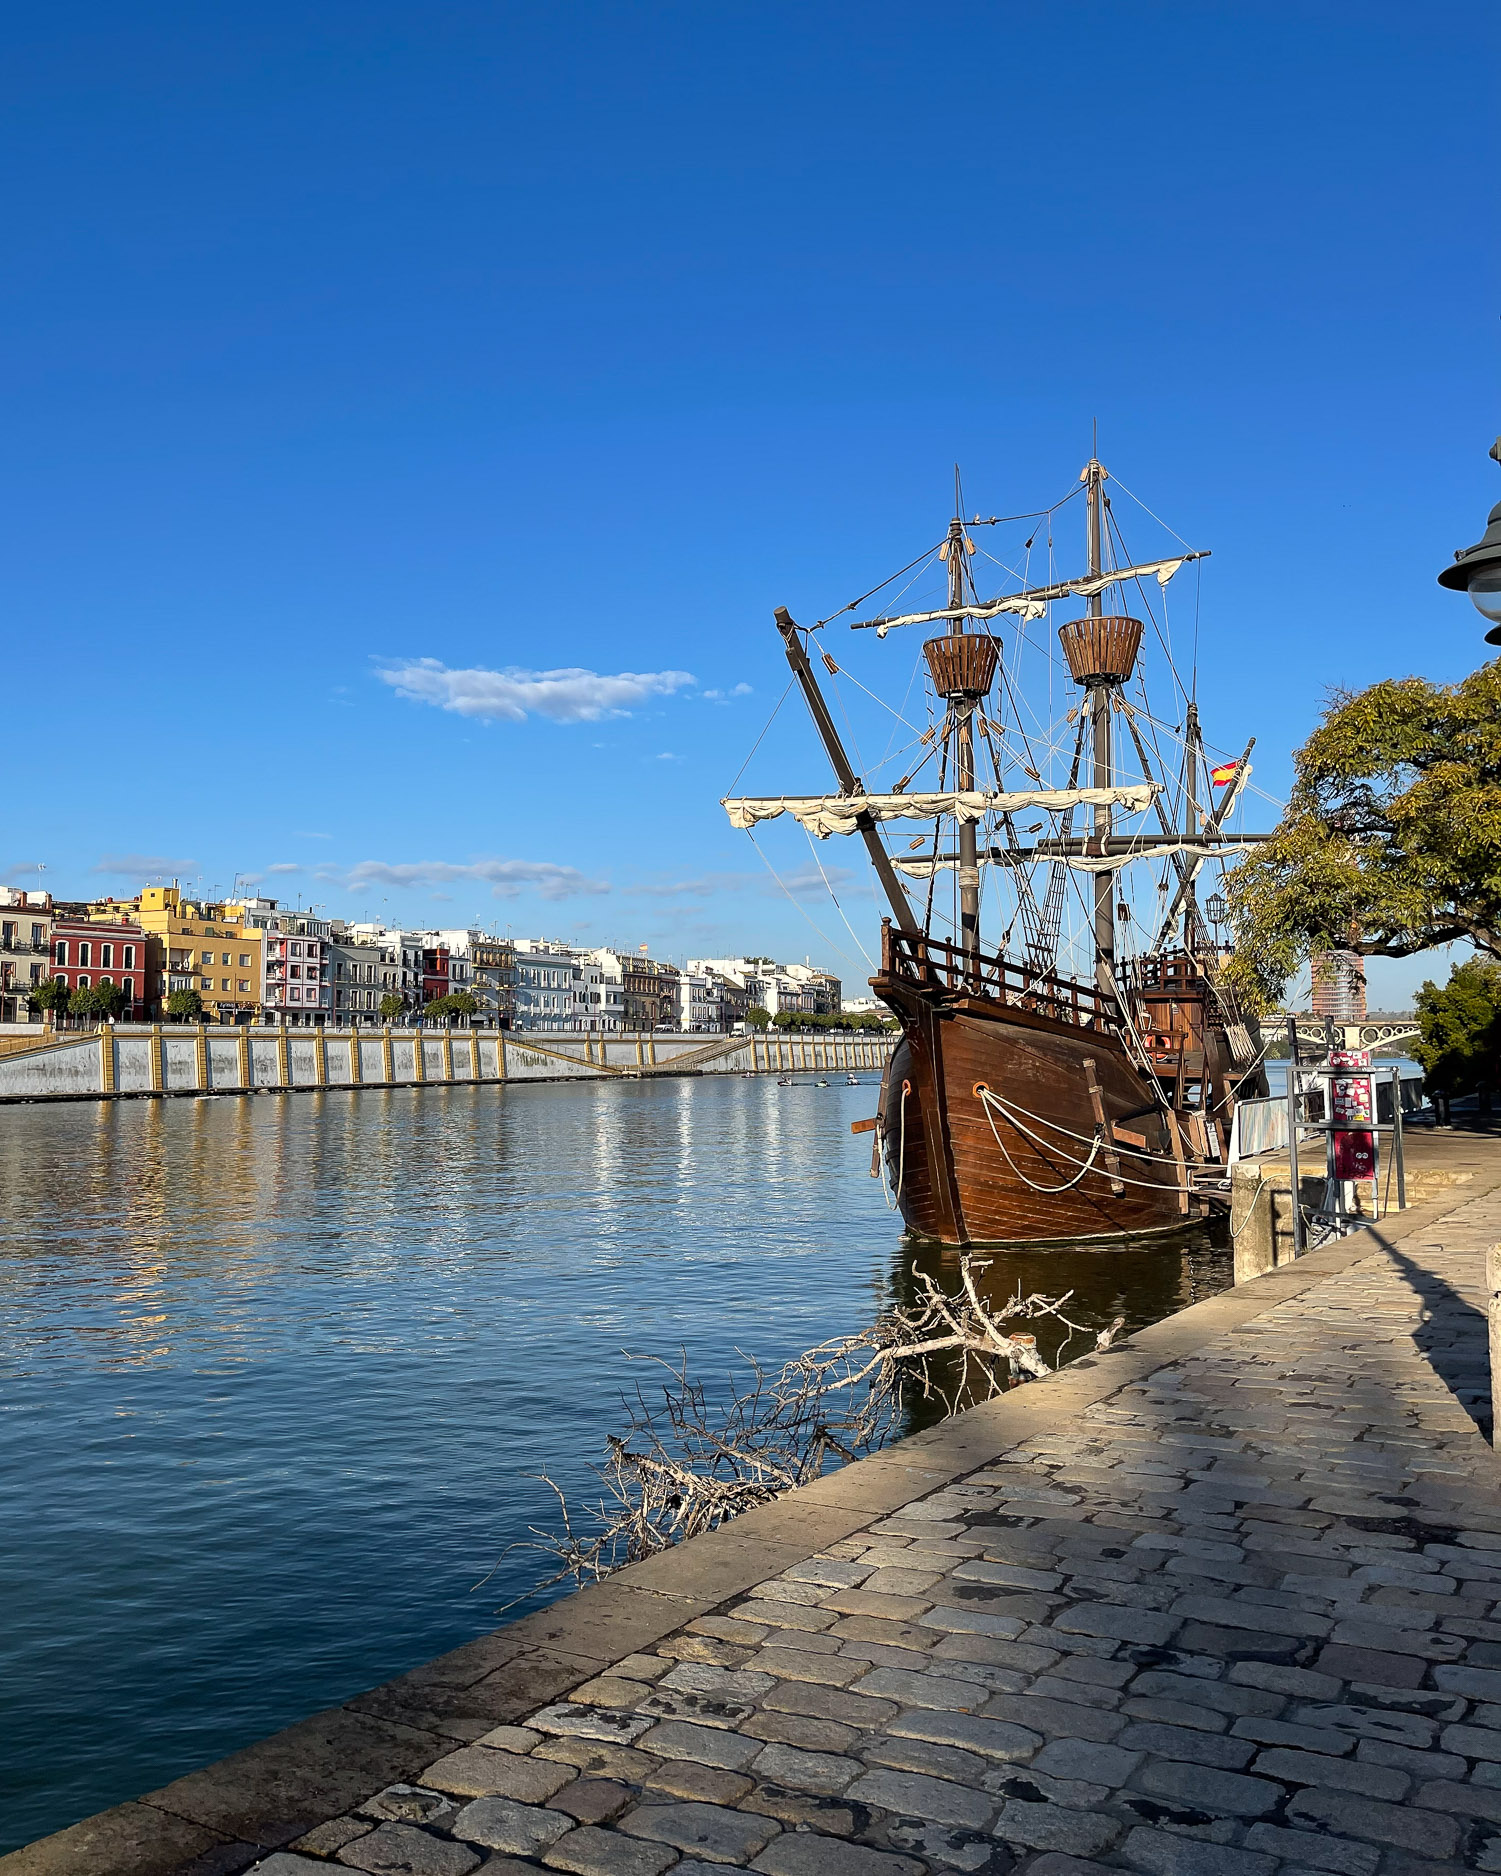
x=171, y=1059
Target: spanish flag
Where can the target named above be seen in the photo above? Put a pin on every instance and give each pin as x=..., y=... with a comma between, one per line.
x=1226, y=772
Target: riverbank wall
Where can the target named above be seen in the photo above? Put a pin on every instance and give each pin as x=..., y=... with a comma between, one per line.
x=123, y=1060
x=1222, y=1598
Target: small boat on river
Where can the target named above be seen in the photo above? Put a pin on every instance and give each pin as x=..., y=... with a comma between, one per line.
x=1076, y=1080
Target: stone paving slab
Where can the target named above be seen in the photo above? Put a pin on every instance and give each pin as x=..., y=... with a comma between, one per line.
x=1224, y=1601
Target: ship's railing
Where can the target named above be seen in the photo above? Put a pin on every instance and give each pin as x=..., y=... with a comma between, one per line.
x=935, y=963
x=1176, y=972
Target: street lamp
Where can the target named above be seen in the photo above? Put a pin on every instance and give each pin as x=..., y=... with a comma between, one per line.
x=1477, y=569
x=1215, y=906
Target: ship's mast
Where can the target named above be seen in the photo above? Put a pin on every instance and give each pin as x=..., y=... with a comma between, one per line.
x=964, y=711
x=1100, y=697
x=1193, y=744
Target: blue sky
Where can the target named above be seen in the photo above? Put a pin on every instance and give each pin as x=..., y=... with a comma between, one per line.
x=362, y=362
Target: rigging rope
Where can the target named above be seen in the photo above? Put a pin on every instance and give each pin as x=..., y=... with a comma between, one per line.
x=893, y=1199
x=986, y=1098
x=837, y=906
x=762, y=737
x=1009, y=1111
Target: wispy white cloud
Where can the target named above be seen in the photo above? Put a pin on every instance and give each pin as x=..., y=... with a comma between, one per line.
x=146, y=864
x=507, y=879
x=285, y=866
x=569, y=695
x=723, y=696
x=806, y=883
x=303, y=833
x=706, y=886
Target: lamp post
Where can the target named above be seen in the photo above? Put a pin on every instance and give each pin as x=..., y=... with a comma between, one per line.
x=1477, y=569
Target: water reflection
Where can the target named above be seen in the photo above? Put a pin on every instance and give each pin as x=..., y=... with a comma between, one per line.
x=276, y=1373
x=1141, y=1282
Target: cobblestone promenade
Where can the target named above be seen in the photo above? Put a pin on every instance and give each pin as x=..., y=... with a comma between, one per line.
x=1232, y=1613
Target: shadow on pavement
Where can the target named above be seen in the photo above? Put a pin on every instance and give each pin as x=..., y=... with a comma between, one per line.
x=1453, y=1335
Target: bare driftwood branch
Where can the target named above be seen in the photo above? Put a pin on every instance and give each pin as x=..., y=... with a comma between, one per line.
x=687, y=1465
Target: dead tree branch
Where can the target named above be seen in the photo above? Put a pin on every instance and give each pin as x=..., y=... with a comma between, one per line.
x=687, y=1464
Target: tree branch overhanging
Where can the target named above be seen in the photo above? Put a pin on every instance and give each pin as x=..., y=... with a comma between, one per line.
x=1391, y=843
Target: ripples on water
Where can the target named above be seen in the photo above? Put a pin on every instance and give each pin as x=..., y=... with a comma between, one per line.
x=275, y=1372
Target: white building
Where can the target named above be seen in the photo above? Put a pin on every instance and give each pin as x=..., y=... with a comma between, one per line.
x=700, y=1004
x=753, y=975
x=544, y=985
x=824, y=989
x=801, y=989
x=611, y=986
x=402, y=968
x=598, y=1003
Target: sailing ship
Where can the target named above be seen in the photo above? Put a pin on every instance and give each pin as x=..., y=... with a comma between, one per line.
x=1034, y=1097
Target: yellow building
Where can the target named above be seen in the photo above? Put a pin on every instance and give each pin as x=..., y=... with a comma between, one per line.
x=207, y=948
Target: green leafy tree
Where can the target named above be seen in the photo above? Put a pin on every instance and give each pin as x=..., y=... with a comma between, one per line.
x=185, y=1006
x=757, y=1017
x=1460, y=1049
x=391, y=1007
x=437, y=1009
x=462, y=1003
x=108, y=1001
x=51, y=994
x=1391, y=843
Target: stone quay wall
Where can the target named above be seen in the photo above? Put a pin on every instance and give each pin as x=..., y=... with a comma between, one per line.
x=120, y=1060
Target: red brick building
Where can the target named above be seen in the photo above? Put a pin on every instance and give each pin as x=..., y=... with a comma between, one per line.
x=88, y=951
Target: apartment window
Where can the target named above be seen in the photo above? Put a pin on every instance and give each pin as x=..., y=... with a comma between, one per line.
x=224, y=983
x=36, y=973
x=106, y=980
x=36, y=935
x=129, y=957
x=242, y=986
x=294, y=996
x=83, y=983
x=244, y=960
x=208, y=983
x=130, y=987
x=62, y=950
x=83, y=952
x=106, y=954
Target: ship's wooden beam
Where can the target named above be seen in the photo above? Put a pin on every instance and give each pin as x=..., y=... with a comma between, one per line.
x=849, y=782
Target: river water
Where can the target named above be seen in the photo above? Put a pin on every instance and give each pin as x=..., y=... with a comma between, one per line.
x=274, y=1372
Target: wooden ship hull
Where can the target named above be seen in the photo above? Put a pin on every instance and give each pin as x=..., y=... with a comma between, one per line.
x=1012, y=1112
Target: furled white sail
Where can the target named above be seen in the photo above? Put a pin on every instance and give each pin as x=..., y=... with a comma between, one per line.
x=1033, y=603
x=918, y=868
x=838, y=814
